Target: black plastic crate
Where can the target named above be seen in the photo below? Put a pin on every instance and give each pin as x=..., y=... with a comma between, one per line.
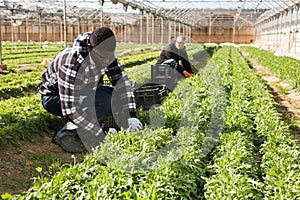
x=149, y=95
x=161, y=73
x=165, y=75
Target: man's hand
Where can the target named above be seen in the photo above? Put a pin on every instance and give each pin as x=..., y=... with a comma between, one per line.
x=135, y=124
x=187, y=74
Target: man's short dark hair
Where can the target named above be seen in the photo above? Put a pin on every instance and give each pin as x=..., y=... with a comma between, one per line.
x=103, y=38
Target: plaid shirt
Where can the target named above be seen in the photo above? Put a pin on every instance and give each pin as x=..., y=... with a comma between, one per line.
x=73, y=71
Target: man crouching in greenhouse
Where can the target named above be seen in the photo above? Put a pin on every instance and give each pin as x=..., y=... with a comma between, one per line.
x=176, y=51
x=72, y=87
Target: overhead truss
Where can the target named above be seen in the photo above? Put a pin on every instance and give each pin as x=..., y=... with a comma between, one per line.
x=196, y=13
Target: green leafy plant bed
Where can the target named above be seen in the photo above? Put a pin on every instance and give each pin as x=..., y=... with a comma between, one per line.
x=160, y=162
x=285, y=68
x=218, y=135
x=129, y=61
x=254, y=140
x=23, y=118
x=19, y=84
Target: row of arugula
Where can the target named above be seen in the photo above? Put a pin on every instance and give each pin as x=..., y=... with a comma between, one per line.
x=218, y=135
x=285, y=68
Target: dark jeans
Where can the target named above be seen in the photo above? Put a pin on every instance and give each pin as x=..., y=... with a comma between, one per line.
x=52, y=104
x=103, y=98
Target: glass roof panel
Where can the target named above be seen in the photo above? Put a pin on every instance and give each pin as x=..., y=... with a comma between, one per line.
x=190, y=12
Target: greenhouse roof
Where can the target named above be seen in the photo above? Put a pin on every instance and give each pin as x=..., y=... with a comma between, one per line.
x=191, y=12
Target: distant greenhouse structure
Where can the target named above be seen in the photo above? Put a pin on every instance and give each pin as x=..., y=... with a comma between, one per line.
x=270, y=24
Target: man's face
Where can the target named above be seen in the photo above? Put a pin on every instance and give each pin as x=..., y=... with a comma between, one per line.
x=180, y=44
x=101, y=57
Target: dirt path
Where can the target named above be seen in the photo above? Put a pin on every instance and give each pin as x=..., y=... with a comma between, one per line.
x=288, y=100
x=18, y=163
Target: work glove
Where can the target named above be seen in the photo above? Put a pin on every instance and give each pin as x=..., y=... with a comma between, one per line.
x=134, y=124
x=187, y=74
x=112, y=130
x=171, y=63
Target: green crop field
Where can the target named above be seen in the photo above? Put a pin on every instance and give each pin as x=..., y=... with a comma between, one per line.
x=218, y=135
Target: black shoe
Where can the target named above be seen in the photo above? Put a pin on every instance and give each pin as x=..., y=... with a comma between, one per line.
x=69, y=141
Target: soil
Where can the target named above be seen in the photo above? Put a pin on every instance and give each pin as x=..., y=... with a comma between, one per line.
x=18, y=164
x=288, y=99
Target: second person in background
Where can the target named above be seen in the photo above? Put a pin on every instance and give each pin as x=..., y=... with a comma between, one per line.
x=177, y=51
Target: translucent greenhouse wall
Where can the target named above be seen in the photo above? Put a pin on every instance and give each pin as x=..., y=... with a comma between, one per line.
x=280, y=33
x=147, y=29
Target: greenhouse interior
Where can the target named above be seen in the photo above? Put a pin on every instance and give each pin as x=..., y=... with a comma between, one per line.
x=228, y=127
